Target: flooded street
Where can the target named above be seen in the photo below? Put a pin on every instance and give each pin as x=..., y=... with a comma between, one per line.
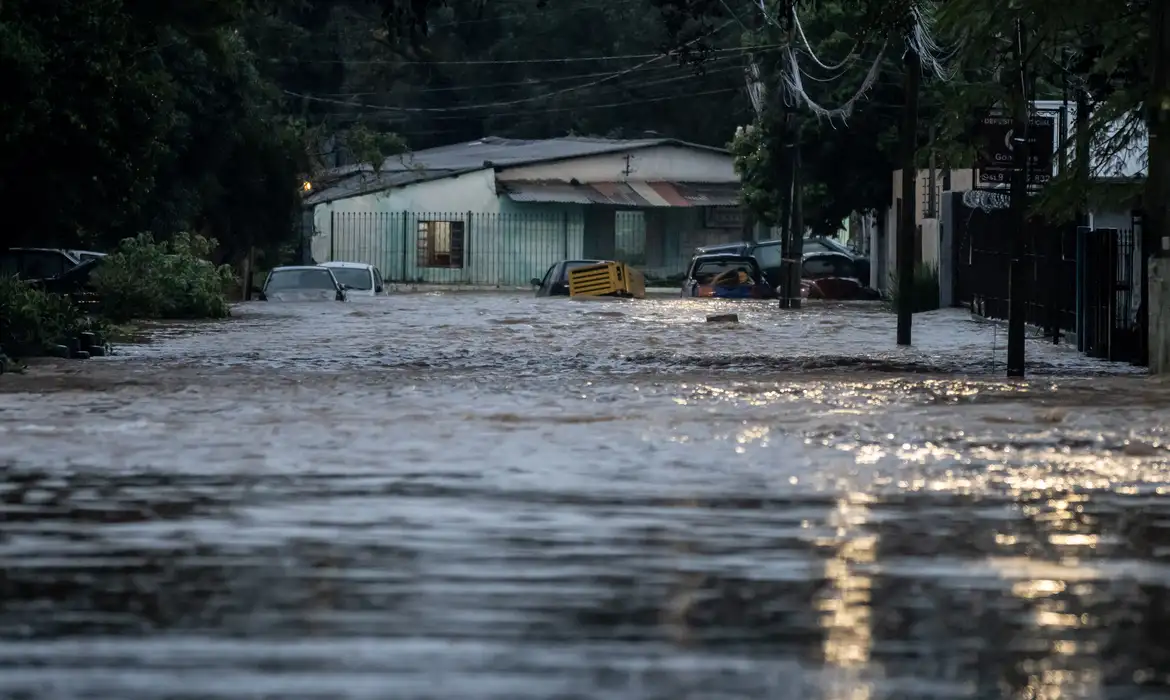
x=494, y=496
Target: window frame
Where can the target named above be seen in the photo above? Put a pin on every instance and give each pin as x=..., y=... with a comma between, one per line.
x=456, y=255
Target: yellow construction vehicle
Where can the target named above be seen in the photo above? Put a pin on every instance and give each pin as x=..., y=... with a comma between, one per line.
x=607, y=279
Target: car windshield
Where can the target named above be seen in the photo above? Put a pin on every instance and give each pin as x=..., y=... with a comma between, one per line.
x=724, y=272
x=353, y=277
x=281, y=280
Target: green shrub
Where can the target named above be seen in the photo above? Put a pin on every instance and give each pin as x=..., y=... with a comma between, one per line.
x=31, y=321
x=925, y=293
x=174, y=279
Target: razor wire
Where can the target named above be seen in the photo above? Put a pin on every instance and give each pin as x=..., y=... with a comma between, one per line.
x=985, y=200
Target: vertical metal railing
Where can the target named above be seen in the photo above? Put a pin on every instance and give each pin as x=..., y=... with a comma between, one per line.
x=454, y=248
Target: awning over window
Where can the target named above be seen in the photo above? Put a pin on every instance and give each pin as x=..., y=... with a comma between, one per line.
x=628, y=194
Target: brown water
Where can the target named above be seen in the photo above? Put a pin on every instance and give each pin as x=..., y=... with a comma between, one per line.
x=493, y=496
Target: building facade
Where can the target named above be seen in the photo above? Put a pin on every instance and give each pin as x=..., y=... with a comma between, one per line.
x=502, y=211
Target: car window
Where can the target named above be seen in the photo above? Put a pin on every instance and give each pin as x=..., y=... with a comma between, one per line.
x=354, y=277
x=544, y=281
x=279, y=280
x=379, y=281
x=38, y=264
x=768, y=255
x=828, y=266
x=705, y=271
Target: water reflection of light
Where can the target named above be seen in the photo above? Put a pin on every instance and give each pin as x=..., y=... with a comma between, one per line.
x=846, y=609
x=1052, y=591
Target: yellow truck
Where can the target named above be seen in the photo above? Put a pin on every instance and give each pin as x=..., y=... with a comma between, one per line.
x=607, y=279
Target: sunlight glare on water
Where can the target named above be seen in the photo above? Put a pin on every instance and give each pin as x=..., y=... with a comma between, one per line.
x=495, y=496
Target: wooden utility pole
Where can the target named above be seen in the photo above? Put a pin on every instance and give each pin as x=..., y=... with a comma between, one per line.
x=796, y=226
x=786, y=250
x=905, y=257
x=1017, y=272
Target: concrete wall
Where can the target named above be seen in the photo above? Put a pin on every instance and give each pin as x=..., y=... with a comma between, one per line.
x=672, y=236
x=471, y=192
x=1159, y=316
x=663, y=163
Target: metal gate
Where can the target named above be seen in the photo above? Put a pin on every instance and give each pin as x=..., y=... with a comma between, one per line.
x=1108, y=316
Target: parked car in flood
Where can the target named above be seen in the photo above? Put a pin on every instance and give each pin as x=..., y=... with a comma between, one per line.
x=767, y=254
x=359, y=279
x=832, y=275
x=42, y=263
x=724, y=276
x=302, y=283
x=555, y=282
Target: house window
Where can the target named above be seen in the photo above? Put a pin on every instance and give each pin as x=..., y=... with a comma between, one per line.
x=441, y=244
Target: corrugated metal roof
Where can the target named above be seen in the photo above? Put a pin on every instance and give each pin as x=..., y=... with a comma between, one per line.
x=548, y=193
x=709, y=194
x=490, y=152
x=512, y=152
x=366, y=182
x=657, y=194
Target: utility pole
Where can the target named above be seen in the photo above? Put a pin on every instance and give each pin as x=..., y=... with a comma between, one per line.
x=1017, y=282
x=796, y=227
x=905, y=257
x=786, y=251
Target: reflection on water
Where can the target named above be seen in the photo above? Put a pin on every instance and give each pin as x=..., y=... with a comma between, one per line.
x=501, y=497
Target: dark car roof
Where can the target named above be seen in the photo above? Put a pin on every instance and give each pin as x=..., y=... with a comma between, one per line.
x=585, y=262
x=827, y=254
x=724, y=257
x=724, y=247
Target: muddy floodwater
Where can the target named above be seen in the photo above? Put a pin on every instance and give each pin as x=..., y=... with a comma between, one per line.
x=492, y=496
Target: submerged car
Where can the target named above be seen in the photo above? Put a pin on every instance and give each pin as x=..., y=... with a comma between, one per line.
x=555, y=282
x=767, y=254
x=833, y=276
x=302, y=283
x=359, y=279
x=727, y=277
x=42, y=263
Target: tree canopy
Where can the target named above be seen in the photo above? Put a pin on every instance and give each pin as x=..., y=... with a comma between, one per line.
x=125, y=116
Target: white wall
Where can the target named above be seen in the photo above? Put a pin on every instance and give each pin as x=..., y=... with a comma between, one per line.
x=474, y=192
x=662, y=163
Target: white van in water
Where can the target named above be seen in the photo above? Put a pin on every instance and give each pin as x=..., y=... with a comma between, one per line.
x=360, y=279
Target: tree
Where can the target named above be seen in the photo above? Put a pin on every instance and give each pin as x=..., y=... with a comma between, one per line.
x=130, y=115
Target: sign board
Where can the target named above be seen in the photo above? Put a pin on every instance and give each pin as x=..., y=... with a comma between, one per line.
x=994, y=139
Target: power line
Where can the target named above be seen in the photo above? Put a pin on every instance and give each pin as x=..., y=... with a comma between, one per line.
x=647, y=83
x=509, y=103
x=574, y=108
x=520, y=61
x=527, y=82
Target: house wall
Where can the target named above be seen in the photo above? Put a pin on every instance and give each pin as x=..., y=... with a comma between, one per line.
x=663, y=163
x=672, y=236
x=470, y=192
x=506, y=244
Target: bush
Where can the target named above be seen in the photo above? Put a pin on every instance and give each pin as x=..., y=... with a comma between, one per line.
x=143, y=279
x=925, y=288
x=32, y=321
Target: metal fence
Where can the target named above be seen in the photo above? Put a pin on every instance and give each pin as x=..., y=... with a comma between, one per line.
x=505, y=250
x=1078, y=281
x=1110, y=322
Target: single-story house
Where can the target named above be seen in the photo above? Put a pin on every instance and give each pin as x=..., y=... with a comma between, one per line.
x=501, y=211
